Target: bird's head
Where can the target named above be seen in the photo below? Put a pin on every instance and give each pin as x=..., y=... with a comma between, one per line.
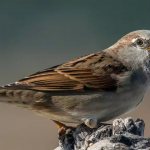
x=133, y=49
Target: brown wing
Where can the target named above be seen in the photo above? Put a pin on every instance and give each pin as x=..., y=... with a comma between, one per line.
x=92, y=72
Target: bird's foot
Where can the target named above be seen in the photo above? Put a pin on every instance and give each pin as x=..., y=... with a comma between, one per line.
x=93, y=122
x=62, y=128
x=90, y=122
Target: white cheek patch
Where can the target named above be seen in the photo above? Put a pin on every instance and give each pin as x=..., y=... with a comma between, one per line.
x=141, y=55
x=134, y=55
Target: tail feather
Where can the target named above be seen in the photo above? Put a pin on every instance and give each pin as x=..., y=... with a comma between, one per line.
x=15, y=96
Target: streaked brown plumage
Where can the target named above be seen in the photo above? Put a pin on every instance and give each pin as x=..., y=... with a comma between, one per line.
x=92, y=88
x=90, y=72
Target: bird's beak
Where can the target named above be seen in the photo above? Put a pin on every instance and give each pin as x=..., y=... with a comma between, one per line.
x=148, y=48
x=148, y=45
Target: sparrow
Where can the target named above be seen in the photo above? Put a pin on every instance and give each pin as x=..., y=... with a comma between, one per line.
x=89, y=89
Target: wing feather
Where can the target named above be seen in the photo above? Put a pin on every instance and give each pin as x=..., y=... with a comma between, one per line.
x=92, y=72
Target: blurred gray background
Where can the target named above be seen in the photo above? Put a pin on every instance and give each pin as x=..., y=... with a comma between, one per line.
x=37, y=34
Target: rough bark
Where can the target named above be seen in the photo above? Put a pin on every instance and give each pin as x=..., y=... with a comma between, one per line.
x=123, y=134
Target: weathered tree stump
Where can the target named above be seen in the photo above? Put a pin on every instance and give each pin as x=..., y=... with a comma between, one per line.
x=123, y=134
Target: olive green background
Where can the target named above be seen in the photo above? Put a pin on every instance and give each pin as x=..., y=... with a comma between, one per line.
x=37, y=34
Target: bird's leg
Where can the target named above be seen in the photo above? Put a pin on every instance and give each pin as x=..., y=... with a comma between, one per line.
x=62, y=128
x=93, y=122
x=90, y=122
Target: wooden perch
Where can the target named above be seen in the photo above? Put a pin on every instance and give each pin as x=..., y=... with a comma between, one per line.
x=123, y=134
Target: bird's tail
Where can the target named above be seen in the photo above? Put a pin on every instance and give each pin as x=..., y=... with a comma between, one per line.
x=6, y=93
x=11, y=95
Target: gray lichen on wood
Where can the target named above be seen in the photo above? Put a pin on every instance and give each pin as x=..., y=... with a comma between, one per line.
x=123, y=134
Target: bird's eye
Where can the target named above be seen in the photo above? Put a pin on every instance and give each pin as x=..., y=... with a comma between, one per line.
x=140, y=42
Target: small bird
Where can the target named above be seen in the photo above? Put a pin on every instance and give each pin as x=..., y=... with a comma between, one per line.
x=89, y=89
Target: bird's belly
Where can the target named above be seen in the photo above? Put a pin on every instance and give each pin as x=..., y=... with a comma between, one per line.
x=103, y=106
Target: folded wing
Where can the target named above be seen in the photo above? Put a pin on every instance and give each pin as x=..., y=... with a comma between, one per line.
x=92, y=72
